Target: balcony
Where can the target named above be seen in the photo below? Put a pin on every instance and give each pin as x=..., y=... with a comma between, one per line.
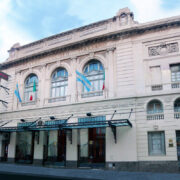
x=56, y=99
x=28, y=103
x=155, y=114
x=157, y=87
x=91, y=94
x=155, y=117
x=177, y=112
x=175, y=85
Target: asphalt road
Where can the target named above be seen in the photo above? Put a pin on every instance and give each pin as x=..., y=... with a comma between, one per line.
x=23, y=172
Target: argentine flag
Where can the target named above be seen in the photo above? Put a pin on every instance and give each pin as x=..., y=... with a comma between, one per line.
x=16, y=92
x=81, y=78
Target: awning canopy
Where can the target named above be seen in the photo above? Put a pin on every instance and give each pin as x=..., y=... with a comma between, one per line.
x=62, y=124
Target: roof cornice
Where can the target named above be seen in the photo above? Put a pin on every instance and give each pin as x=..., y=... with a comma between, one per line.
x=134, y=30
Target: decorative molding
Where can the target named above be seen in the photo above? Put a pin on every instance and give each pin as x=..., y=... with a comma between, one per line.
x=94, y=30
x=163, y=49
x=111, y=49
x=59, y=40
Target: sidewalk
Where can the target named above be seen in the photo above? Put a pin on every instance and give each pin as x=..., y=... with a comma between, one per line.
x=85, y=174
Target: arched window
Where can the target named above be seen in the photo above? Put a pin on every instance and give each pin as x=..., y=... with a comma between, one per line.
x=59, y=83
x=94, y=72
x=177, y=105
x=31, y=88
x=154, y=107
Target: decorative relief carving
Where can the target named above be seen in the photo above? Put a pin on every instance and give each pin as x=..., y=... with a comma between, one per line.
x=93, y=30
x=163, y=49
x=59, y=40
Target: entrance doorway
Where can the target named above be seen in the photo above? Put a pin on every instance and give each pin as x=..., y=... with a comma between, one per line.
x=54, y=148
x=178, y=145
x=91, y=147
x=25, y=147
x=4, y=150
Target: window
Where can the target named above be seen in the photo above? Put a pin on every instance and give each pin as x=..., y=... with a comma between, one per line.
x=59, y=83
x=94, y=71
x=175, y=73
x=177, y=105
x=156, y=143
x=31, y=88
x=154, y=107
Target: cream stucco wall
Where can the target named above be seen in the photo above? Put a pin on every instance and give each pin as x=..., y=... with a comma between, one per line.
x=127, y=85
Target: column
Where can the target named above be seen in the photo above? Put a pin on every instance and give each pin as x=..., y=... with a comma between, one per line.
x=12, y=147
x=111, y=72
x=72, y=81
x=38, y=148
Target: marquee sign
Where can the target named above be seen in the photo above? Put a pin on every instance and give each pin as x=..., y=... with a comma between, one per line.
x=4, y=76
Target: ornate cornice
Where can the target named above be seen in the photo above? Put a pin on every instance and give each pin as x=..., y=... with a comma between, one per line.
x=135, y=30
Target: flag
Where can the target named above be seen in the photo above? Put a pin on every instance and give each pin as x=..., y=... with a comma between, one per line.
x=32, y=96
x=81, y=78
x=34, y=86
x=16, y=92
x=103, y=82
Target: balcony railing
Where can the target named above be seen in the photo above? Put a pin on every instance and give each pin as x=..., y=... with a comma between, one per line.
x=91, y=94
x=175, y=85
x=155, y=116
x=176, y=115
x=156, y=87
x=28, y=103
x=56, y=99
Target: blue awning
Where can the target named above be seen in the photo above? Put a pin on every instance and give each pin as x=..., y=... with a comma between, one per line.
x=62, y=124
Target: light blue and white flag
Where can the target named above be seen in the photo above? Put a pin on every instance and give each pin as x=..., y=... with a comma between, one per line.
x=16, y=92
x=81, y=78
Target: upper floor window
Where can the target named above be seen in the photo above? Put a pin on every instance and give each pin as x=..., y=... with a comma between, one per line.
x=59, y=83
x=94, y=71
x=175, y=73
x=31, y=87
x=154, y=107
x=177, y=105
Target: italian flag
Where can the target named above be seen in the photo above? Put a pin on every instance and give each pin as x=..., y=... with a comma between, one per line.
x=103, y=81
x=32, y=96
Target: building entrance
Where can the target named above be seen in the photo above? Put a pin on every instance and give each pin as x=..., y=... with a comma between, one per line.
x=91, y=147
x=25, y=147
x=4, y=150
x=54, y=148
x=178, y=145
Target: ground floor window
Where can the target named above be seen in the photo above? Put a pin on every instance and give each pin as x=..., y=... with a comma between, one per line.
x=156, y=143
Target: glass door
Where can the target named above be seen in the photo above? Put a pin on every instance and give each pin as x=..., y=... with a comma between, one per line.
x=54, y=148
x=91, y=147
x=4, y=150
x=83, y=148
x=24, y=147
x=97, y=145
x=61, y=147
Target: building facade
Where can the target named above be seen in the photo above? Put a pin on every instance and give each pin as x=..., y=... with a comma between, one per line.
x=103, y=95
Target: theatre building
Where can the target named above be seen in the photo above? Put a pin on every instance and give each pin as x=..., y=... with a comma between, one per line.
x=105, y=95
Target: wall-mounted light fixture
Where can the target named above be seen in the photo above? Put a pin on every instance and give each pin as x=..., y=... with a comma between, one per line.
x=88, y=114
x=22, y=120
x=52, y=117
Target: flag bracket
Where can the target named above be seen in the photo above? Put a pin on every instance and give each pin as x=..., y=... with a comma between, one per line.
x=113, y=128
x=68, y=131
x=5, y=88
x=4, y=102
